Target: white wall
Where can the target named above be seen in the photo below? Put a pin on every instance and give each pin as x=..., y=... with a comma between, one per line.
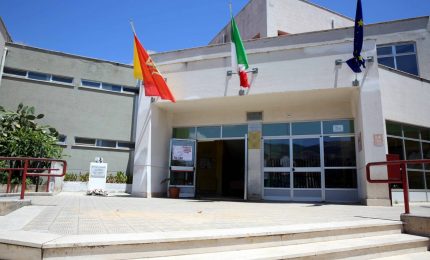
x=296, y=16
x=281, y=69
x=405, y=99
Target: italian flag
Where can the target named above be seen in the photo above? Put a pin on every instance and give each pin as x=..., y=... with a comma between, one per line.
x=239, y=59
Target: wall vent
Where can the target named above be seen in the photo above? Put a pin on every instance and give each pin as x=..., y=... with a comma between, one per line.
x=254, y=116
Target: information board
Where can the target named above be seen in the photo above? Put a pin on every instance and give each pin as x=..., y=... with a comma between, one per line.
x=98, y=174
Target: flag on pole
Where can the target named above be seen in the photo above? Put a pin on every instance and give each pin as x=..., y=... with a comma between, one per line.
x=145, y=70
x=239, y=60
x=357, y=61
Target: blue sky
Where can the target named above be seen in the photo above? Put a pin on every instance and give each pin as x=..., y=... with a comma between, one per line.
x=100, y=28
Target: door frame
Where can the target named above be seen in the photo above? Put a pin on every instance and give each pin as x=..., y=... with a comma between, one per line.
x=245, y=139
x=319, y=169
x=183, y=169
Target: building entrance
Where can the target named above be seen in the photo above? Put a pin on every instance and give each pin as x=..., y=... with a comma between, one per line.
x=220, y=168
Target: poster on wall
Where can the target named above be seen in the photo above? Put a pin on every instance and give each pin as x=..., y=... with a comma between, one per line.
x=182, y=153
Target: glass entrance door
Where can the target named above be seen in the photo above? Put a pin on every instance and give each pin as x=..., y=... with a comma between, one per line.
x=306, y=168
x=182, y=166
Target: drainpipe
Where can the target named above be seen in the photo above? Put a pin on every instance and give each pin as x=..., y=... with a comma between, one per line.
x=2, y=64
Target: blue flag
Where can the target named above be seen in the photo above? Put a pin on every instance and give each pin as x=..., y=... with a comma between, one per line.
x=357, y=61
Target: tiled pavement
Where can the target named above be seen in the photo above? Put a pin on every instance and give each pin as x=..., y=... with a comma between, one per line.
x=75, y=213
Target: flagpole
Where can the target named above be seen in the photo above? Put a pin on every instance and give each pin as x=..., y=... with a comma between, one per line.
x=231, y=9
x=132, y=27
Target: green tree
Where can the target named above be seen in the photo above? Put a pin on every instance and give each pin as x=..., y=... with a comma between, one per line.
x=21, y=136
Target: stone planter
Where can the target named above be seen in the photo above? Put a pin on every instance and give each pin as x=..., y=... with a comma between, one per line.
x=76, y=186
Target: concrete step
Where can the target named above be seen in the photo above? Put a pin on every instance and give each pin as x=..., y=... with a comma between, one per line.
x=411, y=256
x=336, y=239
x=206, y=241
x=337, y=249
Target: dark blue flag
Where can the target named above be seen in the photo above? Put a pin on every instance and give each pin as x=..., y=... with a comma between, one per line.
x=357, y=61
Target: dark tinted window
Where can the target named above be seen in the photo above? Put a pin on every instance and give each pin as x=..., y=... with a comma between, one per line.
x=277, y=153
x=15, y=72
x=90, y=84
x=38, y=76
x=62, y=79
x=341, y=178
x=277, y=180
x=339, y=151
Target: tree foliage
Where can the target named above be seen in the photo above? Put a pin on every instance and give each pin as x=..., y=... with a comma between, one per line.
x=21, y=136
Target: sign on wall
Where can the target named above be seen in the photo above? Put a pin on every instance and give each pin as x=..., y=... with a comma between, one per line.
x=182, y=153
x=254, y=136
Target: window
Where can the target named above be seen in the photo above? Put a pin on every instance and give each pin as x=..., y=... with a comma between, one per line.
x=339, y=151
x=306, y=128
x=184, y=133
x=111, y=87
x=277, y=180
x=341, y=178
x=402, y=57
x=338, y=127
x=102, y=143
x=276, y=129
x=207, y=132
x=411, y=142
x=15, y=72
x=108, y=86
x=125, y=145
x=85, y=141
x=38, y=76
x=106, y=143
x=277, y=153
x=62, y=79
x=61, y=139
x=234, y=131
x=91, y=84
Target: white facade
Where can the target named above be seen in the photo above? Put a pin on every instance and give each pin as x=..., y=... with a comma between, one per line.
x=297, y=81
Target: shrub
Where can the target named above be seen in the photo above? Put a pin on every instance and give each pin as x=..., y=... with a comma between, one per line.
x=120, y=177
x=70, y=177
x=84, y=177
x=110, y=178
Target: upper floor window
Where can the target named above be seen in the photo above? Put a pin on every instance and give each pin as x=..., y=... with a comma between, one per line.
x=38, y=76
x=402, y=56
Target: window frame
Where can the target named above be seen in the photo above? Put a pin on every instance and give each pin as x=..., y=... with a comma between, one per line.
x=394, y=54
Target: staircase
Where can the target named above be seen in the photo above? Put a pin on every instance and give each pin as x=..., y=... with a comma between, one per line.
x=363, y=239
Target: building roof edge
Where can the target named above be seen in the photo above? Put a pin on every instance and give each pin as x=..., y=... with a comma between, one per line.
x=22, y=46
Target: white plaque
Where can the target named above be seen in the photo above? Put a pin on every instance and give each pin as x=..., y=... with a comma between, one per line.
x=182, y=153
x=337, y=128
x=98, y=173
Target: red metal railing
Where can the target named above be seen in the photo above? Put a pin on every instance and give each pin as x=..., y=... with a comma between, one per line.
x=397, y=174
x=24, y=167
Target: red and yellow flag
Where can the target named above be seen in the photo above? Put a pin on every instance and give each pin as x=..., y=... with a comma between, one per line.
x=145, y=70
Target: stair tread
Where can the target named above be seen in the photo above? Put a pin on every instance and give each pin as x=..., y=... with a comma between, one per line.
x=175, y=236
x=310, y=249
x=411, y=256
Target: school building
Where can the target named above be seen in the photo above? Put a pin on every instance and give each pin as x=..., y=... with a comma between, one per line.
x=304, y=131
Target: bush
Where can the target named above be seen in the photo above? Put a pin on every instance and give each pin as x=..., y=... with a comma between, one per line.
x=120, y=177
x=110, y=178
x=70, y=177
x=84, y=177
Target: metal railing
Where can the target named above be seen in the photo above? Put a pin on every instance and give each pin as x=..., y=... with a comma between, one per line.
x=24, y=165
x=397, y=174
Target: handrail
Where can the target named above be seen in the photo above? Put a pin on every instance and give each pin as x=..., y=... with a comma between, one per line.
x=403, y=175
x=31, y=171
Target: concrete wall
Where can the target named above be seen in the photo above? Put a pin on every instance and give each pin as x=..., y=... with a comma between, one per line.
x=296, y=16
x=266, y=17
x=405, y=99
x=251, y=20
x=74, y=111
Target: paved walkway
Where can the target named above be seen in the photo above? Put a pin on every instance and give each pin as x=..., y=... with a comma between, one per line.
x=75, y=213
